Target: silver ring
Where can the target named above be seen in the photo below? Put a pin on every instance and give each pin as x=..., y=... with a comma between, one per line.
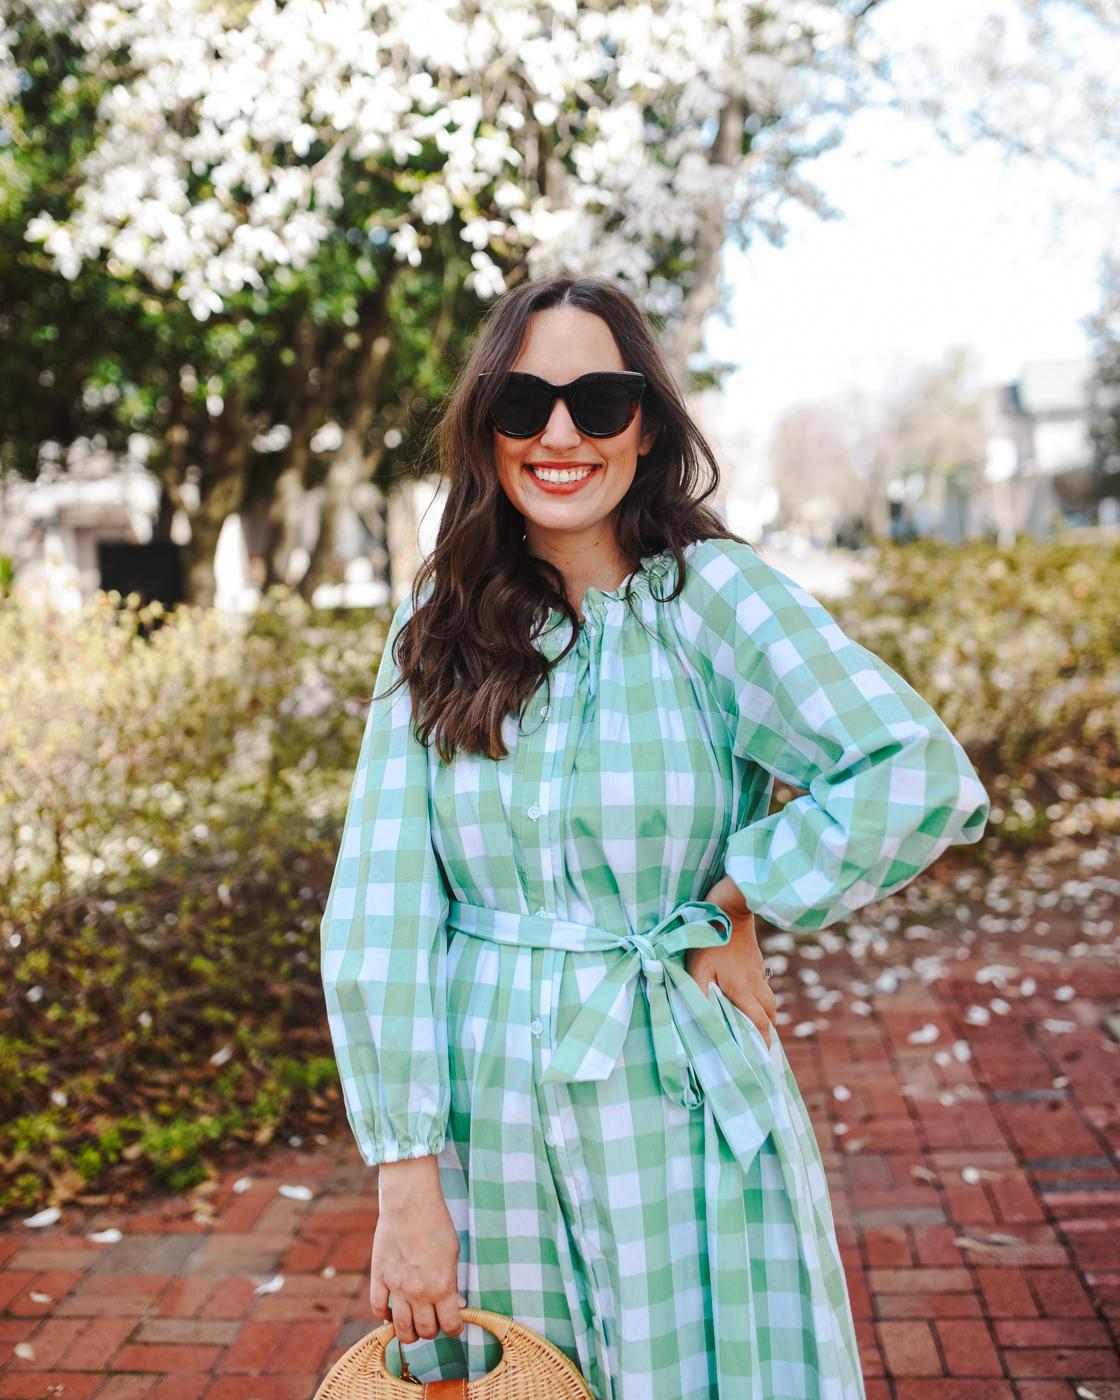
x=768, y=972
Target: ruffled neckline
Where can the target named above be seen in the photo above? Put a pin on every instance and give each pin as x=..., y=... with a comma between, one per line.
x=647, y=581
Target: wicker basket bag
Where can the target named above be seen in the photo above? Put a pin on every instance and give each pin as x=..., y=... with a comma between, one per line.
x=530, y=1369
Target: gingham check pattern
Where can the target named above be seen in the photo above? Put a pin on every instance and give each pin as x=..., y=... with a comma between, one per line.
x=630, y=1171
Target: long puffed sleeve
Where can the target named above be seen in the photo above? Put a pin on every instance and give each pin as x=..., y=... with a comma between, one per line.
x=889, y=788
x=384, y=942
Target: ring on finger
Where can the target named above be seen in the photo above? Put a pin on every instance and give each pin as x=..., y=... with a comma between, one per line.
x=768, y=972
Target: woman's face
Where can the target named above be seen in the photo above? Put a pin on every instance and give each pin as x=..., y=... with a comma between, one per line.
x=564, y=343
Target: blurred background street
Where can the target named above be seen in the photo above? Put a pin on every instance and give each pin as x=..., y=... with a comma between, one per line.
x=243, y=251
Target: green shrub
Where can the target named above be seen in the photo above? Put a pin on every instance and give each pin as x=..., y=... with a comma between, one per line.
x=1019, y=651
x=170, y=796
x=135, y=746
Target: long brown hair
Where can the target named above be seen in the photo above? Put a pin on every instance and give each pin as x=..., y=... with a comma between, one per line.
x=467, y=653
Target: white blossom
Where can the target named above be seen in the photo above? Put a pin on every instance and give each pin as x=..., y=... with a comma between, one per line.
x=224, y=143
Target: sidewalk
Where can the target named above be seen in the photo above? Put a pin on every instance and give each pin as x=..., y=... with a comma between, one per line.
x=974, y=1176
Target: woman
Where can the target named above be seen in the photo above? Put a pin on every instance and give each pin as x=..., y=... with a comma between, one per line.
x=548, y=1004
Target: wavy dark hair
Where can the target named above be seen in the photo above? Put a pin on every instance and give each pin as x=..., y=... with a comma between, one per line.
x=467, y=653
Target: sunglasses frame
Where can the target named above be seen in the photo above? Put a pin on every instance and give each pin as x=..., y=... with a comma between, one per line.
x=634, y=382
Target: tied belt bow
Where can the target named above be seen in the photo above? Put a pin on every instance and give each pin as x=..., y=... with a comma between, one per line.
x=703, y=1047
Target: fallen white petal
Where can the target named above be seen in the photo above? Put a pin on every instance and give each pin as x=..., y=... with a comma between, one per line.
x=40, y=1297
x=971, y=1175
x=999, y=1006
x=841, y=1093
x=963, y=1051
x=222, y=1056
x=804, y=1028
x=1058, y=1027
x=980, y=1246
x=860, y=1008
x=328, y=1272
x=305, y=1193
x=1086, y=1393
x=25, y=1351
x=839, y=1129
x=110, y=1236
x=977, y=1015
x=241, y=1185
x=1064, y=994
x=926, y=1036
x=274, y=1285
x=44, y=1217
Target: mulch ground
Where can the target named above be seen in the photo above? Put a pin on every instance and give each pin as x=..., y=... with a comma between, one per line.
x=967, y=1116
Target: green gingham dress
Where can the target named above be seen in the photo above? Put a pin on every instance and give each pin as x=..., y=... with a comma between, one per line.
x=631, y=1172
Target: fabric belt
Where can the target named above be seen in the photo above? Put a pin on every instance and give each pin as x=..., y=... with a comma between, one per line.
x=704, y=1048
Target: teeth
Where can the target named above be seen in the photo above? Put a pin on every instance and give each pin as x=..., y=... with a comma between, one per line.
x=558, y=476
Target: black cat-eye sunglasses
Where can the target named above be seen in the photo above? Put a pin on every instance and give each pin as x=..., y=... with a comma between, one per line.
x=602, y=405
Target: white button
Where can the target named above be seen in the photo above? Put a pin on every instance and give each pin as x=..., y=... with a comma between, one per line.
x=534, y=813
x=542, y=914
x=537, y=1027
x=551, y=1139
x=546, y=712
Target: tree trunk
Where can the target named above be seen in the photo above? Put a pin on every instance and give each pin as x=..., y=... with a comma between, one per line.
x=707, y=250
x=351, y=463
x=349, y=467
x=309, y=397
x=222, y=491
x=285, y=517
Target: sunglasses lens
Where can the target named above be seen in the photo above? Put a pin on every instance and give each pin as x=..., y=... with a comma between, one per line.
x=602, y=409
x=522, y=409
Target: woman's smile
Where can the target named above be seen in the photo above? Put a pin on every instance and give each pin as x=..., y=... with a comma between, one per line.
x=561, y=478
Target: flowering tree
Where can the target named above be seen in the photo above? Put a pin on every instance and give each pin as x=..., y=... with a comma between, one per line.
x=298, y=177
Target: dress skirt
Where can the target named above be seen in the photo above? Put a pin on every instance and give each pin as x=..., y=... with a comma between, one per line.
x=620, y=1224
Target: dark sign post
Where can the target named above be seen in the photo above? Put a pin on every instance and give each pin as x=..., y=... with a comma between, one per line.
x=153, y=570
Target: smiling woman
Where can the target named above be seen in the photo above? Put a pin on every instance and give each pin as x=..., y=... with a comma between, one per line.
x=532, y=521
x=565, y=483
x=552, y=1021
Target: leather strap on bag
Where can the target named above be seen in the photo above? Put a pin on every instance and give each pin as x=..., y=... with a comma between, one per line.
x=444, y=1390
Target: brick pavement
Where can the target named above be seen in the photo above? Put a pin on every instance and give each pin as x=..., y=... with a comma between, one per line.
x=974, y=1176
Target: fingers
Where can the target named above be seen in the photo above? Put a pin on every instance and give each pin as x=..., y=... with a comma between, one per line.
x=424, y=1321
x=378, y=1299
x=378, y=1294
x=402, y=1322
x=449, y=1316
x=755, y=1012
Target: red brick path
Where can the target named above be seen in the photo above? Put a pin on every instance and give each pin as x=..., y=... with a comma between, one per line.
x=991, y=1271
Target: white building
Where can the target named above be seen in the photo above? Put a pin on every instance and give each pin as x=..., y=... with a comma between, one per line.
x=1040, y=455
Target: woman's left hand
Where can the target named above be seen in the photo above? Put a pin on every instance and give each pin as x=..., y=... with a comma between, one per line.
x=736, y=968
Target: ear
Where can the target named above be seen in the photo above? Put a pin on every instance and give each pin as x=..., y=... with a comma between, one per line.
x=649, y=437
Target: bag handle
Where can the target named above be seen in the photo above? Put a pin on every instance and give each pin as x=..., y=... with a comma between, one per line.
x=493, y=1323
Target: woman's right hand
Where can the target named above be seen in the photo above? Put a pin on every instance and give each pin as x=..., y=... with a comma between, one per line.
x=415, y=1254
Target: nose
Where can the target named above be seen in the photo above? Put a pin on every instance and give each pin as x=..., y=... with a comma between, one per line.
x=560, y=432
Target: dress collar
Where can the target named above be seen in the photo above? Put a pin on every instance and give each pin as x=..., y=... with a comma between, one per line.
x=649, y=580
